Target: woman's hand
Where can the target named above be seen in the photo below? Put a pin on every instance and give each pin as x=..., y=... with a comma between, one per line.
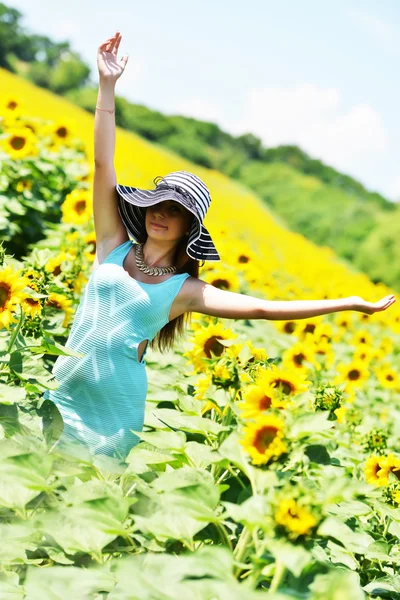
x=109, y=68
x=369, y=308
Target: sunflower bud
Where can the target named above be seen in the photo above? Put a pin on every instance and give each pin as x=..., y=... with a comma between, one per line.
x=328, y=397
x=375, y=440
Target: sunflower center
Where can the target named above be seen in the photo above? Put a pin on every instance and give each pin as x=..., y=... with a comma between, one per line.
x=18, y=142
x=285, y=386
x=32, y=301
x=243, y=258
x=354, y=374
x=222, y=284
x=213, y=345
x=4, y=295
x=62, y=132
x=309, y=328
x=80, y=206
x=289, y=327
x=264, y=438
x=299, y=358
x=389, y=377
x=265, y=402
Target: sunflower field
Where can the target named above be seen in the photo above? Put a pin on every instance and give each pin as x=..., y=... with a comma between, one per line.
x=269, y=467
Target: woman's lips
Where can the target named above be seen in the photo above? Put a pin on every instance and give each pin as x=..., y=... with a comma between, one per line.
x=157, y=226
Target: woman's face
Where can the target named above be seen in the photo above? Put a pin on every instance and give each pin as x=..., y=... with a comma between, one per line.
x=174, y=217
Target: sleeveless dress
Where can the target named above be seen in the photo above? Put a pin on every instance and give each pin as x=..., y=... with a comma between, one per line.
x=101, y=396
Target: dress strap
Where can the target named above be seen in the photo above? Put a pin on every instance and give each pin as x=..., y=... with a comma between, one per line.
x=118, y=254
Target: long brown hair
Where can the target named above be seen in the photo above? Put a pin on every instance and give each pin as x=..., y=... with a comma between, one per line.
x=167, y=336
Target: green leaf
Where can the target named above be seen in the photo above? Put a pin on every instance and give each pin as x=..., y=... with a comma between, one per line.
x=351, y=540
x=339, y=584
x=310, y=423
x=23, y=477
x=11, y=394
x=295, y=558
x=318, y=454
x=172, y=418
x=86, y=527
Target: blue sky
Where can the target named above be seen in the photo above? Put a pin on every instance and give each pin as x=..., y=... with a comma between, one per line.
x=322, y=75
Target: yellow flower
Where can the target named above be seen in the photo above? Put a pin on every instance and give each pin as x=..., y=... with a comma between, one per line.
x=32, y=306
x=11, y=295
x=223, y=278
x=206, y=344
x=263, y=439
x=388, y=377
x=299, y=354
x=354, y=374
x=77, y=208
x=296, y=519
x=20, y=142
x=373, y=471
x=60, y=302
x=287, y=381
x=341, y=413
x=389, y=464
x=257, y=398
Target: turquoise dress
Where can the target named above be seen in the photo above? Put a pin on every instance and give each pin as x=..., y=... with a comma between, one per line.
x=101, y=396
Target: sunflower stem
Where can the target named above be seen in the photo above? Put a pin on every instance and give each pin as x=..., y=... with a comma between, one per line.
x=241, y=548
x=16, y=330
x=279, y=574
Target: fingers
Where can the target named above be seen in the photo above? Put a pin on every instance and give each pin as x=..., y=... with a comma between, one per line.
x=112, y=42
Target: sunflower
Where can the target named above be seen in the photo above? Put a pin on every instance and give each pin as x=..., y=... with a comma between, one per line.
x=354, y=374
x=386, y=345
x=373, y=471
x=344, y=321
x=206, y=344
x=60, y=302
x=296, y=519
x=23, y=184
x=61, y=132
x=90, y=251
x=20, y=142
x=223, y=278
x=362, y=336
x=299, y=354
x=34, y=278
x=388, y=377
x=287, y=381
x=364, y=353
x=12, y=285
x=263, y=439
x=76, y=208
x=389, y=464
x=54, y=264
x=323, y=351
x=32, y=306
x=258, y=398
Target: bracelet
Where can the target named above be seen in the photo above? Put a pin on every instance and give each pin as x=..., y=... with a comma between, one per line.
x=106, y=110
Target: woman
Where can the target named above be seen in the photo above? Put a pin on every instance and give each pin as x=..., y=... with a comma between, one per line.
x=141, y=290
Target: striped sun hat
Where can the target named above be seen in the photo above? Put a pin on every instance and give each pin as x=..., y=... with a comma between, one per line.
x=182, y=186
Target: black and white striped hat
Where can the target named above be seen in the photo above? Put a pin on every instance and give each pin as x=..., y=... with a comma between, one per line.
x=182, y=186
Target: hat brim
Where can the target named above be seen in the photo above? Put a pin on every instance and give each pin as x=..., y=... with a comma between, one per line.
x=130, y=202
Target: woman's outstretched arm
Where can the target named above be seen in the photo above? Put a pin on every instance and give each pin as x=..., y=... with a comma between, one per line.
x=209, y=300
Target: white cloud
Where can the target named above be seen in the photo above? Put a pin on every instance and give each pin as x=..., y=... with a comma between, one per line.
x=392, y=190
x=310, y=117
x=353, y=141
x=383, y=32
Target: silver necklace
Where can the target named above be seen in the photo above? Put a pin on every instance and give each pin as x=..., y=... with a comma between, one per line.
x=150, y=270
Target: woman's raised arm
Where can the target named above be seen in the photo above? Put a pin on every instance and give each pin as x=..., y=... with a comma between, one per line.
x=110, y=231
